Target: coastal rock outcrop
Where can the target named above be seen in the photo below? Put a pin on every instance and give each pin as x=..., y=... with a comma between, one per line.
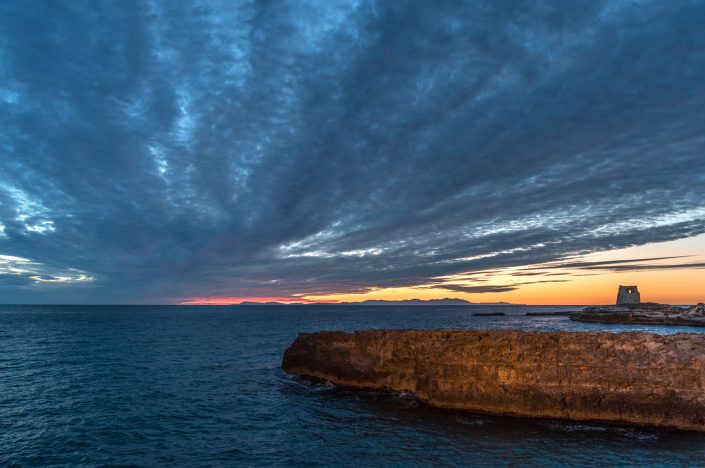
x=644, y=314
x=635, y=377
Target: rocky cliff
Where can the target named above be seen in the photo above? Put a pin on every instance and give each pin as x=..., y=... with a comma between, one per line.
x=637, y=378
x=644, y=314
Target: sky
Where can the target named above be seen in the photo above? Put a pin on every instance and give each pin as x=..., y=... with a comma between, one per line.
x=538, y=152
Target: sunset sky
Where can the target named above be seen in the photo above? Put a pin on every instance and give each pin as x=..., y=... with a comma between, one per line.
x=213, y=152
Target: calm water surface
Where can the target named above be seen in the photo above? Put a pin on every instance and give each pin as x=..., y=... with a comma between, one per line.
x=202, y=386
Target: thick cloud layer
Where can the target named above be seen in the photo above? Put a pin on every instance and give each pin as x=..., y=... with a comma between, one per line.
x=157, y=151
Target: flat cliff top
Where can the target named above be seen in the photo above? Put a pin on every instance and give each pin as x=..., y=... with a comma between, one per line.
x=459, y=334
x=645, y=348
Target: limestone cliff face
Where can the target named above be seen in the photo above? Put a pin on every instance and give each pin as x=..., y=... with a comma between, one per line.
x=638, y=378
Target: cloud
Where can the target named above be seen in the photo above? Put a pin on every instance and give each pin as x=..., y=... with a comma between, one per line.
x=629, y=266
x=490, y=288
x=480, y=289
x=253, y=149
x=20, y=272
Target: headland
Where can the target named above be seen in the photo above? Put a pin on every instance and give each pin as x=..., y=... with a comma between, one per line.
x=635, y=377
x=630, y=310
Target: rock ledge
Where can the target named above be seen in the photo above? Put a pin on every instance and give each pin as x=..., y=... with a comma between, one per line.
x=637, y=378
x=644, y=314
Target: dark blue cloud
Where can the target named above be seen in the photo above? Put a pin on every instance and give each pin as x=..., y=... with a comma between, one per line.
x=152, y=151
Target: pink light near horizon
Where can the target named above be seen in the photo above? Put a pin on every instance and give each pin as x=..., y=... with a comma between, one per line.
x=232, y=300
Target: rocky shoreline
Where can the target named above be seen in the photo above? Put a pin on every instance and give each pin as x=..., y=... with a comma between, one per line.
x=635, y=377
x=643, y=314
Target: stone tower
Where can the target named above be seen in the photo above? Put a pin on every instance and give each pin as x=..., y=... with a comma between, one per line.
x=628, y=295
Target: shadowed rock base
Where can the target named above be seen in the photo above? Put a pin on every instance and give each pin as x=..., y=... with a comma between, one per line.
x=636, y=378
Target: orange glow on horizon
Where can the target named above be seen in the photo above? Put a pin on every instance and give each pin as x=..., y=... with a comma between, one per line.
x=672, y=287
x=552, y=284
x=581, y=280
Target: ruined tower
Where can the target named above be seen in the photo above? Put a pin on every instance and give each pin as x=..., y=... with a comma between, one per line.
x=628, y=295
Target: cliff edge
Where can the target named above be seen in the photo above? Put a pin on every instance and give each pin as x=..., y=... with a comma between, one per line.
x=637, y=378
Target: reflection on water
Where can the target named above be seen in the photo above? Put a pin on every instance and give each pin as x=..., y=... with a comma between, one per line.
x=203, y=386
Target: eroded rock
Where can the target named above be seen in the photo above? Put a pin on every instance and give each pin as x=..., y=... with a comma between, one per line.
x=644, y=314
x=637, y=378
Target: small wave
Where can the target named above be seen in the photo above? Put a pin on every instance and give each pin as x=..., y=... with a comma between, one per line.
x=467, y=421
x=406, y=398
x=573, y=427
x=321, y=386
x=637, y=434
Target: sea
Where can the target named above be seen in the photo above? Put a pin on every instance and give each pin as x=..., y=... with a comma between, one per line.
x=203, y=386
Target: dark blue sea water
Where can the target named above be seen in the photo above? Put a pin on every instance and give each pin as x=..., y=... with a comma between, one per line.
x=202, y=386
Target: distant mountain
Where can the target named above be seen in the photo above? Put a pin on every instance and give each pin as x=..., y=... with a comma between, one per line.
x=406, y=302
x=250, y=303
x=420, y=302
